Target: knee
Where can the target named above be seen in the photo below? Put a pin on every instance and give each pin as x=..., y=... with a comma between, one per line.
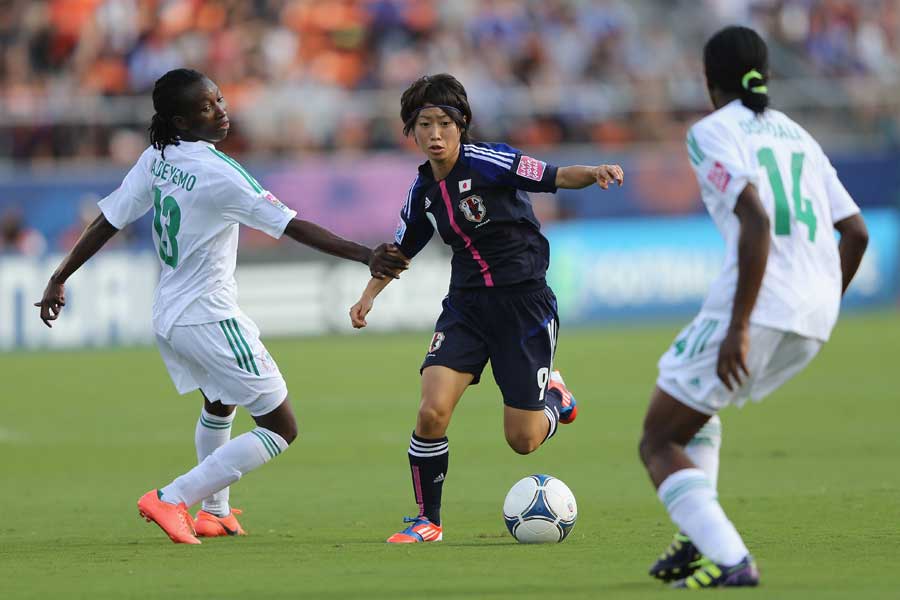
x=647, y=447
x=290, y=433
x=433, y=420
x=522, y=443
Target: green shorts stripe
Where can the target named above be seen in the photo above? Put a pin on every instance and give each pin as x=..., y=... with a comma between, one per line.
x=237, y=355
x=242, y=342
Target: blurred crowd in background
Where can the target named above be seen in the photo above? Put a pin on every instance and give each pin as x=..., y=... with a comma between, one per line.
x=326, y=75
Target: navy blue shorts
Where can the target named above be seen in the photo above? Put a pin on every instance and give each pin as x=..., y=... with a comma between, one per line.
x=515, y=329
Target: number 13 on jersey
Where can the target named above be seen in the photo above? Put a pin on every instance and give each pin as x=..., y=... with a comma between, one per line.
x=166, y=208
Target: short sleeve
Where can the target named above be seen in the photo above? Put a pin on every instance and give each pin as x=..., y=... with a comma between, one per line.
x=722, y=168
x=839, y=199
x=243, y=200
x=414, y=229
x=132, y=199
x=507, y=166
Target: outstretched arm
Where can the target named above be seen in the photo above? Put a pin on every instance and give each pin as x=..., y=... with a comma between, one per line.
x=384, y=261
x=359, y=310
x=92, y=239
x=753, y=254
x=577, y=177
x=854, y=239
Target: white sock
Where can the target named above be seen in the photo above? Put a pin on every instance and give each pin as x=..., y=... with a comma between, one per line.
x=703, y=449
x=692, y=504
x=225, y=465
x=213, y=431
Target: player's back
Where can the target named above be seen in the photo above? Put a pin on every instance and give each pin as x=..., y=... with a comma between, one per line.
x=803, y=198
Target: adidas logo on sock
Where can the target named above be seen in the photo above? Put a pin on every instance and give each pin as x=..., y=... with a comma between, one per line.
x=439, y=478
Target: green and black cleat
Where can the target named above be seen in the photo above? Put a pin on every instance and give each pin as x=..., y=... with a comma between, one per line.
x=710, y=575
x=679, y=560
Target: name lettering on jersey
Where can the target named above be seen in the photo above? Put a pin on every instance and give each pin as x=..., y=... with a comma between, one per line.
x=169, y=172
x=531, y=168
x=473, y=208
x=766, y=127
x=465, y=185
x=719, y=176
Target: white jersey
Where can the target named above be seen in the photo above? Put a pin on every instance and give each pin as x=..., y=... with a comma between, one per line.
x=800, y=190
x=198, y=195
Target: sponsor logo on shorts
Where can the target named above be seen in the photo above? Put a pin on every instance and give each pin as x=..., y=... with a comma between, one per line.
x=473, y=208
x=436, y=342
x=531, y=168
x=719, y=176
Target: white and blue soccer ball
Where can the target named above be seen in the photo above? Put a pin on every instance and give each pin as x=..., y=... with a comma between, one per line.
x=540, y=509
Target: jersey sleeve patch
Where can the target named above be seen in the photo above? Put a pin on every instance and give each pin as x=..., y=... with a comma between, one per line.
x=531, y=168
x=399, y=233
x=719, y=176
x=271, y=199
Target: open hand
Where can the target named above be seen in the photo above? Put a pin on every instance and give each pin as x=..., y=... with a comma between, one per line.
x=606, y=174
x=359, y=311
x=52, y=302
x=387, y=261
x=733, y=357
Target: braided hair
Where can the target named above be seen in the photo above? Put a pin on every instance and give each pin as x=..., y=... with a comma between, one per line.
x=443, y=91
x=736, y=60
x=167, y=102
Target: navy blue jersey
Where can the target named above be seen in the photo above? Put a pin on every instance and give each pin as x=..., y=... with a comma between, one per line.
x=482, y=211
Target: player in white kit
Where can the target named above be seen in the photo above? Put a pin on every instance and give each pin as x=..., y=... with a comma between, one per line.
x=199, y=195
x=776, y=200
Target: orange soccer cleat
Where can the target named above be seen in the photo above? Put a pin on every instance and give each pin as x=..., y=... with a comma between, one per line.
x=209, y=525
x=569, y=409
x=174, y=519
x=420, y=530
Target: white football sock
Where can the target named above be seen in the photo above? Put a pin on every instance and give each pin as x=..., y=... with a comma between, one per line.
x=225, y=465
x=213, y=431
x=703, y=449
x=692, y=504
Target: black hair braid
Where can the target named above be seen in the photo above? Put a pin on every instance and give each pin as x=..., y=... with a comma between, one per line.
x=167, y=98
x=736, y=60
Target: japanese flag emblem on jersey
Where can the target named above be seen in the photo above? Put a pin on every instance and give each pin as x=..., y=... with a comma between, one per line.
x=719, y=176
x=473, y=209
x=531, y=168
x=465, y=185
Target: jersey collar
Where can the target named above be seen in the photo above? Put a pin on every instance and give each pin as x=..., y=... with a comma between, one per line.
x=198, y=146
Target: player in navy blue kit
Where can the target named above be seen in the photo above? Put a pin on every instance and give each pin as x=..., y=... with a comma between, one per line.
x=499, y=307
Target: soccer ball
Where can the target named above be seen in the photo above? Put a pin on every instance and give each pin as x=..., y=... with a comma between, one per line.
x=540, y=509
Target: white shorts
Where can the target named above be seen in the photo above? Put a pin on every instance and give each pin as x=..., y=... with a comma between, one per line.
x=227, y=361
x=687, y=371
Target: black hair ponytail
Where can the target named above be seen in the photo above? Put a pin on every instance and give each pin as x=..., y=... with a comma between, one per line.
x=167, y=96
x=736, y=60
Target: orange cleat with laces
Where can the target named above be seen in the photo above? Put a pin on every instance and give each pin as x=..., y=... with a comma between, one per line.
x=174, y=519
x=209, y=525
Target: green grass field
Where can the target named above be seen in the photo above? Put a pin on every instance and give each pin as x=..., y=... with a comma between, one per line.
x=811, y=478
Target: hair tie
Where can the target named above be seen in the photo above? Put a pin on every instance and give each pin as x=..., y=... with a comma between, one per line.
x=757, y=89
